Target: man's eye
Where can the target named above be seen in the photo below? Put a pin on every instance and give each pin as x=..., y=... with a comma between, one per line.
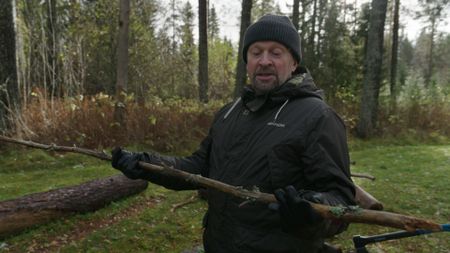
x=276, y=52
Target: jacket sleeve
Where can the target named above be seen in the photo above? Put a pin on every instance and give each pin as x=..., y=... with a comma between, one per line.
x=197, y=163
x=327, y=168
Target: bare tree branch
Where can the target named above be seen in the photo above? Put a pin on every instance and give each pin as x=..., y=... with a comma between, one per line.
x=351, y=214
x=52, y=147
x=361, y=175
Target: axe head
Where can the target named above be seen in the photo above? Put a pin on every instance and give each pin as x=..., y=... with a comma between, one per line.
x=360, y=244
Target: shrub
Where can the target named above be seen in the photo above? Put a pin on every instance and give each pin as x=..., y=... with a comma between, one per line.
x=167, y=126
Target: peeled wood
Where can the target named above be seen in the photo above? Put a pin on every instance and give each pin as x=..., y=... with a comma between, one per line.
x=38, y=208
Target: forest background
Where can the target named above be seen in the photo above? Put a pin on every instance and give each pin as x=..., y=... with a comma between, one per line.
x=71, y=74
x=67, y=88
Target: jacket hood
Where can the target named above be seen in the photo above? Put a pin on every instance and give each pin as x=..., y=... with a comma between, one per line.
x=298, y=86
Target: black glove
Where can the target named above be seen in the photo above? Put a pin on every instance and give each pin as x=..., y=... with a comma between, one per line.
x=128, y=163
x=295, y=212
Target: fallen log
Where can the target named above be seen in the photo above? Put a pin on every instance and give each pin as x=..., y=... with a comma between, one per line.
x=351, y=214
x=39, y=208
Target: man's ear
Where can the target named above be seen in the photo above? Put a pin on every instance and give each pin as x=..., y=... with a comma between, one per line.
x=294, y=66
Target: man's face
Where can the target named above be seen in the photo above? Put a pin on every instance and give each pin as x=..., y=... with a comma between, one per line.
x=269, y=64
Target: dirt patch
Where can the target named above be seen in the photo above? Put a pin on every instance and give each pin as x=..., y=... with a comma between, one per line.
x=84, y=228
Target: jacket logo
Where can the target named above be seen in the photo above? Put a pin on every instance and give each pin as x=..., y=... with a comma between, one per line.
x=275, y=124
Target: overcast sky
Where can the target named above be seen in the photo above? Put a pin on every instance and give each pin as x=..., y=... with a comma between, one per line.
x=229, y=12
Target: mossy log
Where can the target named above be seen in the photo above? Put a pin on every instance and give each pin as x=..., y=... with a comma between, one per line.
x=38, y=208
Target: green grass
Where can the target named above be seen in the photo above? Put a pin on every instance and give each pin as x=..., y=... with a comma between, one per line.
x=411, y=180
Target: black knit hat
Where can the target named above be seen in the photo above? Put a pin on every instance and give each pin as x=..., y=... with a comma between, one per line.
x=273, y=28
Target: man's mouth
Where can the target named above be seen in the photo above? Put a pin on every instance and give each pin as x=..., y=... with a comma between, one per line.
x=265, y=76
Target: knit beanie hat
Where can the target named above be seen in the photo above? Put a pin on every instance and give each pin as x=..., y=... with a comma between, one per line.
x=273, y=28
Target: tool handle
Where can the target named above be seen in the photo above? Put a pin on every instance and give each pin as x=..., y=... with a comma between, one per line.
x=361, y=241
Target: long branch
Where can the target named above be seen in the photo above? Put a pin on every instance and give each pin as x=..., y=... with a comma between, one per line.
x=53, y=147
x=351, y=214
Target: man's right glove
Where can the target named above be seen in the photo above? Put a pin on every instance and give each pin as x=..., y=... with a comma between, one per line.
x=295, y=211
x=128, y=163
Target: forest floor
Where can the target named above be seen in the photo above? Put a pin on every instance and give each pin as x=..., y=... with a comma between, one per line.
x=410, y=179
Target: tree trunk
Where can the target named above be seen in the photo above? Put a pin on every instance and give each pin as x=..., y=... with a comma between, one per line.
x=311, y=54
x=241, y=75
x=303, y=28
x=394, y=59
x=372, y=77
x=52, y=49
x=203, y=50
x=122, y=71
x=38, y=208
x=295, y=13
x=9, y=93
x=321, y=17
x=429, y=67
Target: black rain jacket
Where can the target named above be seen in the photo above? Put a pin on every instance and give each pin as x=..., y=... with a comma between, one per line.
x=287, y=137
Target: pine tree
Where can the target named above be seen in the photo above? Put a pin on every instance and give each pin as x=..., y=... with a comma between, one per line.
x=187, y=48
x=213, y=24
x=433, y=11
x=263, y=7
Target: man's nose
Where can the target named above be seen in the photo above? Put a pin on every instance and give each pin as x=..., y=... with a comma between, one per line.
x=265, y=60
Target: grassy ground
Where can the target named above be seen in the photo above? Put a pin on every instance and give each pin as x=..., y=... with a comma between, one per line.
x=411, y=180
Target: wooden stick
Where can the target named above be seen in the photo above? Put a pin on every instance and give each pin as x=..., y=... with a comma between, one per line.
x=366, y=200
x=192, y=199
x=97, y=154
x=351, y=214
x=53, y=147
x=361, y=175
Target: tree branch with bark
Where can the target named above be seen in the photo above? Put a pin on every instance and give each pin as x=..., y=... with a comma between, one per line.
x=351, y=214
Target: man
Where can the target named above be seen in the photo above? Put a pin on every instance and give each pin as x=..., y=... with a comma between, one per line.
x=279, y=137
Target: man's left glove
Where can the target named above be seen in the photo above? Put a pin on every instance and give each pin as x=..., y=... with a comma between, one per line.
x=128, y=163
x=295, y=210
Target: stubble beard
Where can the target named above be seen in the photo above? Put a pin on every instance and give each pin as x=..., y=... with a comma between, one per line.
x=264, y=87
